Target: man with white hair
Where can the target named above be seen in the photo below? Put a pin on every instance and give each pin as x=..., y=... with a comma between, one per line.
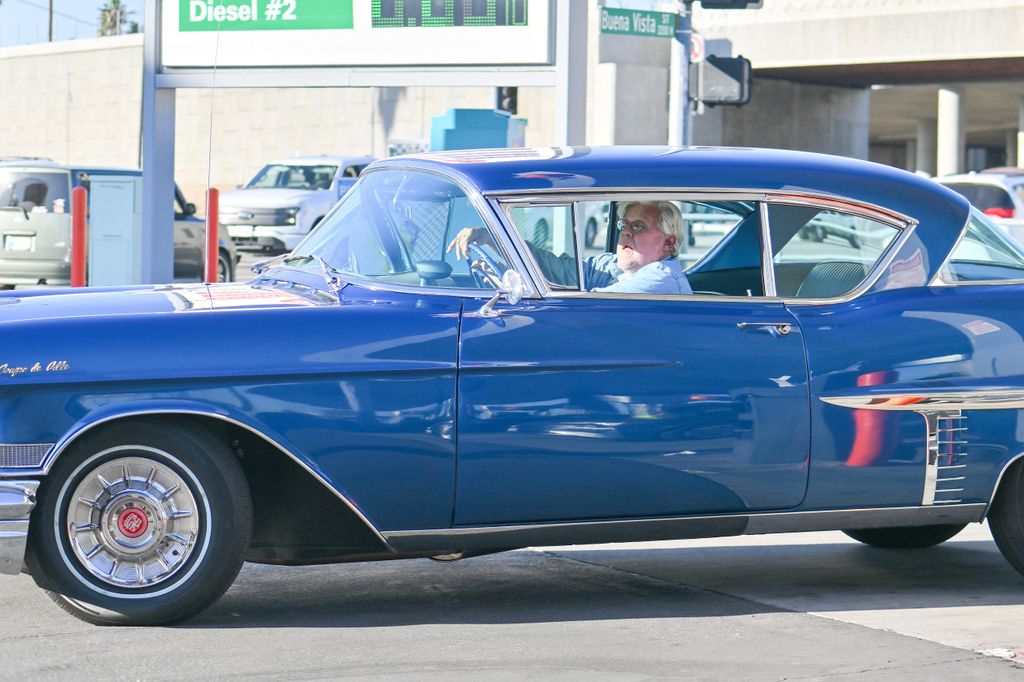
x=645, y=260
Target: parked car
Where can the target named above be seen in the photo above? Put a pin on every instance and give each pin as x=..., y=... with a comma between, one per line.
x=286, y=199
x=997, y=192
x=35, y=224
x=392, y=403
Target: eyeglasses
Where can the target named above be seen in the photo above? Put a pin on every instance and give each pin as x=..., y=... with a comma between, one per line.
x=636, y=227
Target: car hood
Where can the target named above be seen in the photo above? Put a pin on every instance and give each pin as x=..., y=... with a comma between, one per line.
x=213, y=333
x=265, y=198
x=66, y=303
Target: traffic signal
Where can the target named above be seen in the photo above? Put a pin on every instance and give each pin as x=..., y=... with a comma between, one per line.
x=721, y=80
x=506, y=99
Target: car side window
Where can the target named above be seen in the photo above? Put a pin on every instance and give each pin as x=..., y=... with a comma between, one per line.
x=824, y=253
x=984, y=254
x=396, y=226
x=549, y=233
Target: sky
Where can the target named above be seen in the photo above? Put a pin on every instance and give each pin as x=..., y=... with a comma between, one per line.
x=23, y=22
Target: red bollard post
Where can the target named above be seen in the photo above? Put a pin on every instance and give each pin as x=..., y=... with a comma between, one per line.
x=212, y=242
x=79, y=204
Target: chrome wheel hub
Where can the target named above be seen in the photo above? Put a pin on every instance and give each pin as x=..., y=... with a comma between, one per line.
x=132, y=522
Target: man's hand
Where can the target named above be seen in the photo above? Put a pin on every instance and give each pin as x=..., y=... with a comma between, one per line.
x=476, y=235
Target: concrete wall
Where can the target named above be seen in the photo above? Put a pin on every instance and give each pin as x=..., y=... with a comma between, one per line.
x=807, y=117
x=803, y=32
x=79, y=102
x=73, y=101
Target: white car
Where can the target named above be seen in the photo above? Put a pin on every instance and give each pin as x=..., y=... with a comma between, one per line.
x=997, y=192
x=286, y=199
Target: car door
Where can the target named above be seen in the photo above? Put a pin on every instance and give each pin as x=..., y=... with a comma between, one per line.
x=590, y=406
x=188, y=239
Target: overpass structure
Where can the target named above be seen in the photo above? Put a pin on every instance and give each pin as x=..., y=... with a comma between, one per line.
x=944, y=79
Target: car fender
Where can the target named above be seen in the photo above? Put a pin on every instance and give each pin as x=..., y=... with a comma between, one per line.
x=139, y=408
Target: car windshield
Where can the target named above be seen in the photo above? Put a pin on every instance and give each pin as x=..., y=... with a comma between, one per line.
x=396, y=227
x=289, y=176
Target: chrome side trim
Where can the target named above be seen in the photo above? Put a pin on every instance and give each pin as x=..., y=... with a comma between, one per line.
x=945, y=461
x=674, y=528
x=66, y=441
x=17, y=498
x=23, y=456
x=999, y=480
x=916, y=402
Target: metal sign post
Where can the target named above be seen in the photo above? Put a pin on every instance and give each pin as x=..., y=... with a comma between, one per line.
x=680, y=115
x=571, y=73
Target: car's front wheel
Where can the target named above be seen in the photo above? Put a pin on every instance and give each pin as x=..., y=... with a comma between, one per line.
x=908, y=537
x=224, y=267
x=1006, y=517
x=141, y=524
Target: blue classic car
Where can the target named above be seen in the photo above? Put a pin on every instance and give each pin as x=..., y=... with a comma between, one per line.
x=418, y=379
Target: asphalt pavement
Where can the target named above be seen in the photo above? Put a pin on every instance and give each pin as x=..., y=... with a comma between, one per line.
x=795, y=607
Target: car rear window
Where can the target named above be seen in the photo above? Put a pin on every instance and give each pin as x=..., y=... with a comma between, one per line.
x=985, y=254
x=39, y=190
x=983, y=196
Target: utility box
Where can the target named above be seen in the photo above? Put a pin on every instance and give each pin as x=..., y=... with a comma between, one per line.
x=476, y=129
x=114, y=230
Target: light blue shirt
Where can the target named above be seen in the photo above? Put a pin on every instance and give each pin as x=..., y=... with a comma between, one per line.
x=602, y=274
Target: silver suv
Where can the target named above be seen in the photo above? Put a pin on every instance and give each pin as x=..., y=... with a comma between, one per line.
x=275, y=210
x=35, y=225
x=997, y=192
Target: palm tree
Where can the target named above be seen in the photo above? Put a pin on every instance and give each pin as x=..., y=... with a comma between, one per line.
x=114, y=19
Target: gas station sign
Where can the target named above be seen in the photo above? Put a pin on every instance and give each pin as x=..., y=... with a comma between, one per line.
x=344, y=33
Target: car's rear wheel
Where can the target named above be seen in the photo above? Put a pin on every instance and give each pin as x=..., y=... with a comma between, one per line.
x=1006, y=517
x=141, y=524
x=908, y=537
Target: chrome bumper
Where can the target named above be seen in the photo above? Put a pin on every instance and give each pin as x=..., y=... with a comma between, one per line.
x=17, y=498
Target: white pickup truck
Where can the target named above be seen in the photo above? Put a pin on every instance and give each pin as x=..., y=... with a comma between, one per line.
x=286, y=199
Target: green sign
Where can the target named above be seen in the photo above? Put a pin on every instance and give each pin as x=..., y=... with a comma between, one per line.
x=637, y=22
x=446, y=13
x=263, y=15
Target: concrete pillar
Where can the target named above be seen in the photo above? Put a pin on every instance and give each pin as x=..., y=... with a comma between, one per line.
x=1011, y=147
x=1018, y=157
x=925, y=155
x=950, y=157
x=910, y=155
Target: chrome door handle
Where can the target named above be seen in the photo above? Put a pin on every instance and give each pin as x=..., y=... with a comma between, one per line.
x=773, y=328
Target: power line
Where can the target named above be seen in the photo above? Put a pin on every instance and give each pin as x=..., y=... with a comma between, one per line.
x=56, y=13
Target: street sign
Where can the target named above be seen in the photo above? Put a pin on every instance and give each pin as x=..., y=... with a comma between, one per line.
x=637, y=22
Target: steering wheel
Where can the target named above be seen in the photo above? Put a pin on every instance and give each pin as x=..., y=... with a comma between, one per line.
x=485, y=271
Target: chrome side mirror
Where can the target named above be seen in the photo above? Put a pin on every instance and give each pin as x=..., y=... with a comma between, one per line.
x=512, y=288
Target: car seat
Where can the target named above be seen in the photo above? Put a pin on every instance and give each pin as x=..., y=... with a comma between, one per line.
x=829, y=279
x=33, y=195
